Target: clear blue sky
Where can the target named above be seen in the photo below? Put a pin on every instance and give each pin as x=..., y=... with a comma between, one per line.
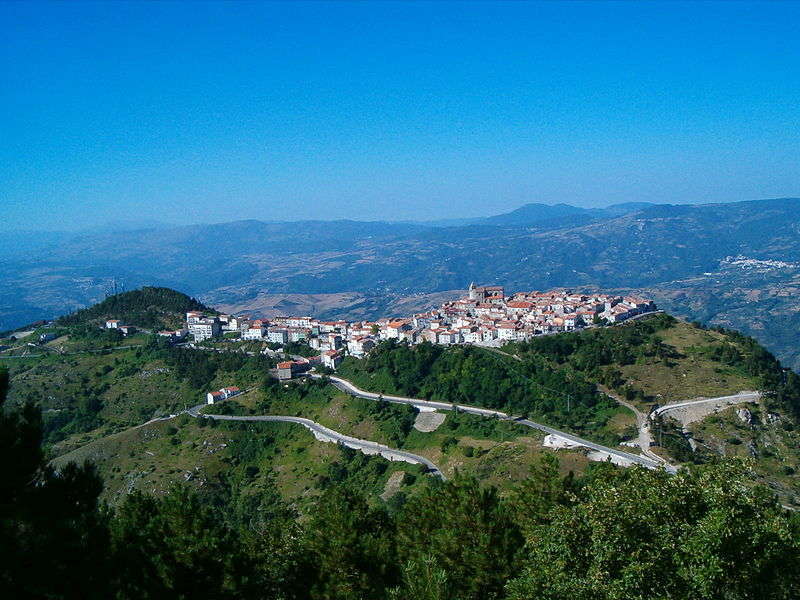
x=193, y=112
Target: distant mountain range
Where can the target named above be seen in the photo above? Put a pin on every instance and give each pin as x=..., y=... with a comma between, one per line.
x=537, y=214
x=677, y=253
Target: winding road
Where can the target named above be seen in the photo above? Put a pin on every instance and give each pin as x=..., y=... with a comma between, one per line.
x=709, y=405
x=351, y=389
x=692, y=410
x=325, y=434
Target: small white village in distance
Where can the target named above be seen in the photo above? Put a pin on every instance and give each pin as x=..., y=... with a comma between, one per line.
x=486, y=317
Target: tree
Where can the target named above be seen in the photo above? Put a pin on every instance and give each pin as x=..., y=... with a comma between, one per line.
x=705, y=533
x=423, y=579
x=52, y=533
x=534, y=498
x=467, y=531
x=175, y=547
x=352, y=545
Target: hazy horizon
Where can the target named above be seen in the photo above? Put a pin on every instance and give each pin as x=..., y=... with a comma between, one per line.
x=132, y=225
x=389, y=111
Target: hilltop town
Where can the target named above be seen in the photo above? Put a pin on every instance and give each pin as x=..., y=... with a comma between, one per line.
x=486, y=316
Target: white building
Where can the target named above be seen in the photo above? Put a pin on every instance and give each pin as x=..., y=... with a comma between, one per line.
x=332, y=341
x=449, y=337
x=507, y=331
x=194, y=316
x=297, y=334
x=277, y=335
x=234, y=323
x=360, y=346
x=174, y=336
x=204, y=329
x=473, y=337
x=212, y=397
x=395, y=329
x=222, y=394
x=331, y=358
x=254, y=333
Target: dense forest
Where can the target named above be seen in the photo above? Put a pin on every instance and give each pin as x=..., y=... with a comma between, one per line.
x=148, y=307
x=706, y=533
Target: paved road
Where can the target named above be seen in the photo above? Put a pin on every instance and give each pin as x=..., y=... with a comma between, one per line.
x=709, y=406
x=644, y=438
x=722, y=401
x=351, y=389
x=326, y=434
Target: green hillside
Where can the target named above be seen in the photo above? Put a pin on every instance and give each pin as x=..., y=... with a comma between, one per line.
x=148, y=307
x=568, y=381
x=468, y=375
x=286, y=516
x=661, y=359
x=90, y=400
x=88, y=395
x=227, y=531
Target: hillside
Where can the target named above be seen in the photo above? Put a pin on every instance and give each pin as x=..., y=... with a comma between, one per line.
x=148, y=307
x=572, y=381
x=85, y=395
x=671, y=252
x=568, y=381
x=293, y=510
x=227, y=530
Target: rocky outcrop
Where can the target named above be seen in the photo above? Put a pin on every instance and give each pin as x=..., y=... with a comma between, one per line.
x=745, y=416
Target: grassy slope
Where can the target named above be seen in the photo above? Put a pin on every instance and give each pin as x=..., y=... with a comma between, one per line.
x=691, y=375
x=502, y=452
x=131, y=390
x=125, y=388
x=153, y=457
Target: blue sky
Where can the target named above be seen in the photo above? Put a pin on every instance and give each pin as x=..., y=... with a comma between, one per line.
x=191, y=112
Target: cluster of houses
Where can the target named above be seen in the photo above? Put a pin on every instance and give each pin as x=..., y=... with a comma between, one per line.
x=485, y=317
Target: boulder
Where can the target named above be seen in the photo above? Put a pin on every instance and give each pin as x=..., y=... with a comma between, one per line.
x=744, y=415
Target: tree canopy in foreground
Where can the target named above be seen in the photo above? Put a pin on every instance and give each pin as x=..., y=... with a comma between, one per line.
x=707, y=533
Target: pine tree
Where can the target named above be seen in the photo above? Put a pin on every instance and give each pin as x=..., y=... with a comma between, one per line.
x=52, y=533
